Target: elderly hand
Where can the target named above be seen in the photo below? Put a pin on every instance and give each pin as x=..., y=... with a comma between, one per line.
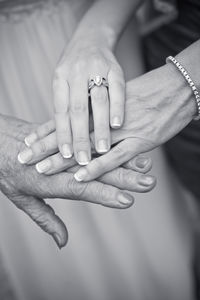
x=26, y=188
x=159, y=104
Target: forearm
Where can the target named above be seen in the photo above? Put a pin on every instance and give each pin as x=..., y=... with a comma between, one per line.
x=105, y=20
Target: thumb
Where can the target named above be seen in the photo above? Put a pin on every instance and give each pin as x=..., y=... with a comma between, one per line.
x=44, y=216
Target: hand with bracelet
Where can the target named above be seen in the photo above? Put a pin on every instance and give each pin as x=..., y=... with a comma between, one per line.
x=159, y=104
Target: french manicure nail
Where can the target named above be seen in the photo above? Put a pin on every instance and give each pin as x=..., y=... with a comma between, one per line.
x=66, y=151
x=102, y=146
x=43, y=166
x=58, y=240
x=125, y=199
x=146, y=180
x=83, y=158
x=80, y=175
x=141, y=161
x=25, y=156
x=30, y=139
x=116, y=122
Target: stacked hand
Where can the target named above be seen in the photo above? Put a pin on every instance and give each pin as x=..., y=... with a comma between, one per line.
x=155, y=111
x=26, y=188
x=81, y=64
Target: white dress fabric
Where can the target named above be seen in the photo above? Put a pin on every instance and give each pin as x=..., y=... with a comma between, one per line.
x=142, y=253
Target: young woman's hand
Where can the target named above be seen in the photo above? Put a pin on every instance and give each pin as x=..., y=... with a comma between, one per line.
x=81, y=62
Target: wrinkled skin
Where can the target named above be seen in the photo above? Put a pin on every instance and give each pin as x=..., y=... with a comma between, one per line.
x=26, y=188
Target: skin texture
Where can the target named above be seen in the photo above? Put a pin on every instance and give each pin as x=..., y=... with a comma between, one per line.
x=158, y=105
x=26, y=188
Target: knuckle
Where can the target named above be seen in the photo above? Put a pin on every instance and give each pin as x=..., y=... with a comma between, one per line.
x=121, y=84
x=78, y=107
x=101, y=194
x=81, y=143
x=77, y=189
x=97, y=61
x=118, y=71
x=79, y=65
x=40, y=147
x=120, y=175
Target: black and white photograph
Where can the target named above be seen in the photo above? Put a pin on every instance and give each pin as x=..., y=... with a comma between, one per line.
x=99, y=149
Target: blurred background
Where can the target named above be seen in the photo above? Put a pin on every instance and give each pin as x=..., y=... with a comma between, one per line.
x=142, y=253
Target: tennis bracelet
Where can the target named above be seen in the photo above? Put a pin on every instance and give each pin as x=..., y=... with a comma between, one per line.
x=190, y=82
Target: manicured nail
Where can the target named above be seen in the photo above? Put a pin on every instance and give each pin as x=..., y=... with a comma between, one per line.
x=146, y=180
x=81, y=174
x=30, y=139
x=141, y=161
x=83, y=158
x=102, y=146
x=25, y=156
x=125, y=199
x=66, y=151
x=116, y=122
x=58, y=240
x=43, y=166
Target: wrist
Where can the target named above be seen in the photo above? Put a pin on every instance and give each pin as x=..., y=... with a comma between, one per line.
x=183, y=97
x=101, y=36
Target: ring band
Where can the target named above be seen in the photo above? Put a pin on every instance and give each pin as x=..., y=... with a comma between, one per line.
x=97, y=81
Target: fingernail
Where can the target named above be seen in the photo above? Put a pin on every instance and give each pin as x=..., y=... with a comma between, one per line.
x=30, y=139
x=125, y=199
x=25, y=156
x=58, y=240
x=141, y=162
x=83, y=158
x=66, y=151
x=81, y=174
x=146, y=180
x=116, y=122
x=43, y=166
x=102, y=146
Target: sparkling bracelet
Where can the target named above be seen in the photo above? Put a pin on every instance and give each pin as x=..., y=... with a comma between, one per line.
x=190, y=82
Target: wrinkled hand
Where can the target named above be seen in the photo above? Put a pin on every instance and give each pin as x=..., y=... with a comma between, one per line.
x=26, y=188
x=159, y=104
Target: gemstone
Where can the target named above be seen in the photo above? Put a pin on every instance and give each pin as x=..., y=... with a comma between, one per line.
x=98, y=80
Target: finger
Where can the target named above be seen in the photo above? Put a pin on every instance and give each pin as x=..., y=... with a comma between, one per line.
x=39, y=150
x=117, y=156
x=62, y=119
x=116, y=83
x=44, y=216
x=100, y=108
x=79, y=116
x=129, y=180
x=63, y=185
x=54, y=164
x=125, y=179
x=42, y=131
x=140, y=163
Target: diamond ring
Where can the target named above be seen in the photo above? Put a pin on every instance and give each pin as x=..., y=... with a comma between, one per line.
x=97, y=81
